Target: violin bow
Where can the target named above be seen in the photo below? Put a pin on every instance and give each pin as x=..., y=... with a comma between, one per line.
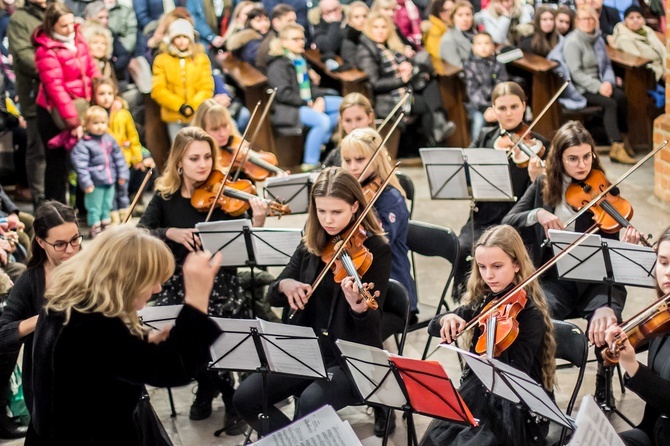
x=615, y=184
x=386, y=120
x=138, y=195
x=257, y=130
x=381, y=146
x=232, y=163
x=343, y=243
x=542, y=113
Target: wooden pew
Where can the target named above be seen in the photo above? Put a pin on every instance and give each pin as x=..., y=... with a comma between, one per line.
x=349, y=81
x=452, y=89
x=637, y=80
x=155, y=133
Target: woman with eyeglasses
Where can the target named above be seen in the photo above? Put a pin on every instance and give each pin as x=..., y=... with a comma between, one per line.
x=56, y=240
x=543, y=207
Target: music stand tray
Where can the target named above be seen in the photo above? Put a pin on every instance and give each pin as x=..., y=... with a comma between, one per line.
x=159, y=317
x=291, y=190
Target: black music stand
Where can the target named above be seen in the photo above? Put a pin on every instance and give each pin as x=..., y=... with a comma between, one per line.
x=598, y=260
x=410, y=385
x=267, y=347
x=243, y=245
x=292, y=190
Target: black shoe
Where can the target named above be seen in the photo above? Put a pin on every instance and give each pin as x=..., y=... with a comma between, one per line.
x=380, y=421
x=202, y=406
x=233, y=424
x=413, y=317
x=602, y=392
x=11, y=429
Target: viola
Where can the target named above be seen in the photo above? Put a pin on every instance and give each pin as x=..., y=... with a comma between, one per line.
x=257, y=165
x=506, y=325
x=235, y=197
x=610, y=213
x=651, y=322
x=520, y=150
x=354, y=261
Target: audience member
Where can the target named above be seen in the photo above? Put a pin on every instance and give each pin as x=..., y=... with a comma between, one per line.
x=545, y=35
x=7, y=8
x=439, y=21
x=506, y=20
x=565, y=20
x=355, y=113
x=327, y=30
x=280, y=16
x=388, y=8
x=621, y=5
x=212, y=19
x=608, y=17
x=355, y=18
x=299, y=6
x=408, y=21
x=101, y=44
x=244, y=44
x=456, y=43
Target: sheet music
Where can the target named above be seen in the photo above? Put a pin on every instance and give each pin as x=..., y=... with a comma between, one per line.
x=274, y=246
x=445, y=165
x=489, y=174
x=593, y=427
x=158, y=317
x=225, y=236
x=293, y=190
x=322, y=427
x=368, y=367
x=306, y=350
x=244, y=356
x=632, y=264
x=584, y=262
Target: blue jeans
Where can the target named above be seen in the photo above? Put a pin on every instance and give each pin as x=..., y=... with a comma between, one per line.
x=477, y=120
x=242, y=119
x=98, y=204
x=321, y=127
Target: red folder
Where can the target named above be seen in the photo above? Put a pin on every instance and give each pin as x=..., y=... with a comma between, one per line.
x=430, y=390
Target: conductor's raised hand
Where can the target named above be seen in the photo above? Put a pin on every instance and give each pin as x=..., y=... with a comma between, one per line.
x=199, y=273
x=452, y=325
x=296, y=292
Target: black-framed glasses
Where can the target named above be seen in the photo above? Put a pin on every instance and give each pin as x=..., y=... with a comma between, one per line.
x=61, y=246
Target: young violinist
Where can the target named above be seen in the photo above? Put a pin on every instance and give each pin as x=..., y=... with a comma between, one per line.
x=509, y=107
x=171, y=217
x=544, y=206
x=500, y=262
x=333, y=310
x=650, y=382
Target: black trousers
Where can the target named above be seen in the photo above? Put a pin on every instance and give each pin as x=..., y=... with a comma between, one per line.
x=57, y=160
x=615, y=110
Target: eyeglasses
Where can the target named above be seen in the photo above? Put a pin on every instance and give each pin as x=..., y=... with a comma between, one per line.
x=589, y=19
x=573, y=161
x=61, y=246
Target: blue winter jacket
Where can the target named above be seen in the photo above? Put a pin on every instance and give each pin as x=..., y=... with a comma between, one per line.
x=98, y=161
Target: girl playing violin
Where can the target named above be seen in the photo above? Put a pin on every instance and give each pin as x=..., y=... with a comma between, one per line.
x=333, y=310
x=172, y=218
x=501, y=261
x=652, y=382
x=509, y=107
x=572, y=158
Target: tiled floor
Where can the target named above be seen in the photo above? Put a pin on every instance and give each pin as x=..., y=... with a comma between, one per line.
x=650, y=217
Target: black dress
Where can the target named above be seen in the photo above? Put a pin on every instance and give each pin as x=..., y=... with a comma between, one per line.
x=501, y=422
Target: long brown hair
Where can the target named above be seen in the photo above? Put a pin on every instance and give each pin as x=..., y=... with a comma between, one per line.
x=571, y=134
x=542, y=43
x=52, y=15
x=509, y=241
x=507, y=89
x=337, y=183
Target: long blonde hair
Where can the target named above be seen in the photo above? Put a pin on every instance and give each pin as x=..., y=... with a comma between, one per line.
x=337, y=183
x=107, y=277
x=508, y=239
x=213, y=115
x=353, y=100
x=392, y=41
x=364, y=142
x=170, y=182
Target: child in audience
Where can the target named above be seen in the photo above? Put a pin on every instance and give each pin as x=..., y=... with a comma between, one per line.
x=99, y=164
x=244, y=44
x=482, y=73
x=565, y=20
x=182, y=77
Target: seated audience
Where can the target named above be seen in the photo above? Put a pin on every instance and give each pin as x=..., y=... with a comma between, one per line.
x=280, y=16
x=327, y=30
x=355, y=18
x=439, y=21
x=506, y=20
x=388, y=8
x=565, y=20
x=545, y=35
x=456, y=43
x=408, y=20
x=210, y=20
x=607, y=16
x=244, y=44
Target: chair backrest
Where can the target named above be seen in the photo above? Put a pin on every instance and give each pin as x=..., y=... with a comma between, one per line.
x=571, y=346
x=396, y=312
x=408, y=186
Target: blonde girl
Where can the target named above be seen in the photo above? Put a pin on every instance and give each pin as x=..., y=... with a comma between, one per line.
x=500, y=262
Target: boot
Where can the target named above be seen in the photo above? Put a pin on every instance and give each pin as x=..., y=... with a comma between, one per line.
x=628, y=147
x=204, y=395
x=233, y=424
x=115, y=217
x=10, y=429
x=618, y=154
x=95, y=230
x=602, y=392
x=380, y=421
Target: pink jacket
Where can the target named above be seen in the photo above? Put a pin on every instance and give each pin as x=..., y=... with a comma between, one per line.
x=64, y=75
x=408, y=20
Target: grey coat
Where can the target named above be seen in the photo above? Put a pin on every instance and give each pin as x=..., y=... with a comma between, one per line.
x=587, y=60
x=455, y=47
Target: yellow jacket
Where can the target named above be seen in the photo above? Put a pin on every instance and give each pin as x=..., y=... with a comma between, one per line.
x=122, y=128
x=178, y=81
x=431, y=40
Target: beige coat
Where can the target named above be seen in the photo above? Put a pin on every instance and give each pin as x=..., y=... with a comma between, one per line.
x=649, y=47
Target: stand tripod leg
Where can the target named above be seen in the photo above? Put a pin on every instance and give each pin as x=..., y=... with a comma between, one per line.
x=411, y=430
x=173, y=412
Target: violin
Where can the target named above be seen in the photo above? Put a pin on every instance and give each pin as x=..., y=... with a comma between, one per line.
x=520, y=150
x=354, y=261
x=651, y=322
x=257, y=165
x=371, y=188
x=505, y=325
x=235, y=197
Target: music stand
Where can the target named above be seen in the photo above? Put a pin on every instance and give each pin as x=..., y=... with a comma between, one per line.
x=598, y=260
x=292, y=190
x=410, y=385
x=243, y=245
x=514, y=385
x=267, y=347
x=468, y=174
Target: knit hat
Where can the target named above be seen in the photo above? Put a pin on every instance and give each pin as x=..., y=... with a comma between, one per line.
x=633, y=8
x=181, y=27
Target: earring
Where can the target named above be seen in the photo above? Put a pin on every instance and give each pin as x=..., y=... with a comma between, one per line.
x=179, y=171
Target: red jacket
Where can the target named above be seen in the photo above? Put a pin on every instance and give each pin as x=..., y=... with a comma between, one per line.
x=64, y=75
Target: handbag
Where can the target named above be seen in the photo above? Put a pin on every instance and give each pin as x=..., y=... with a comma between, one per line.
x=81, y=104
x=150, y=428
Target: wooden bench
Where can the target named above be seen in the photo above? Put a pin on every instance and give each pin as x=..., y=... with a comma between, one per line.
x=155, y=133
x=452, y=89
x=348, y=81
x=637, y=80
